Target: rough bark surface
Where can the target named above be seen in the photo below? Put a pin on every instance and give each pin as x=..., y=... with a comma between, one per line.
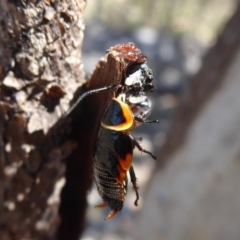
x=40, y=69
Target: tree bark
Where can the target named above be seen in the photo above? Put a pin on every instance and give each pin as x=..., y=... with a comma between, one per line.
x=40, y=69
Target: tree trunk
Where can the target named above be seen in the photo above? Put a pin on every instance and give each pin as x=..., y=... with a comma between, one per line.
x=40, y=69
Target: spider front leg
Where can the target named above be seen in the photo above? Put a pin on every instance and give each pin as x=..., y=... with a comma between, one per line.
x=146, y=121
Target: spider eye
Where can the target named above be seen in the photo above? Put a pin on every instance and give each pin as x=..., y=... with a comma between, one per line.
x=149, y=88
x=149, y=79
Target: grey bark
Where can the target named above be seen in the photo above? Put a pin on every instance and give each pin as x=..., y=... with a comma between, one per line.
x=40, y=69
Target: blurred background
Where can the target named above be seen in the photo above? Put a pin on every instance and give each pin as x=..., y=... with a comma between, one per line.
x=187, y=198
